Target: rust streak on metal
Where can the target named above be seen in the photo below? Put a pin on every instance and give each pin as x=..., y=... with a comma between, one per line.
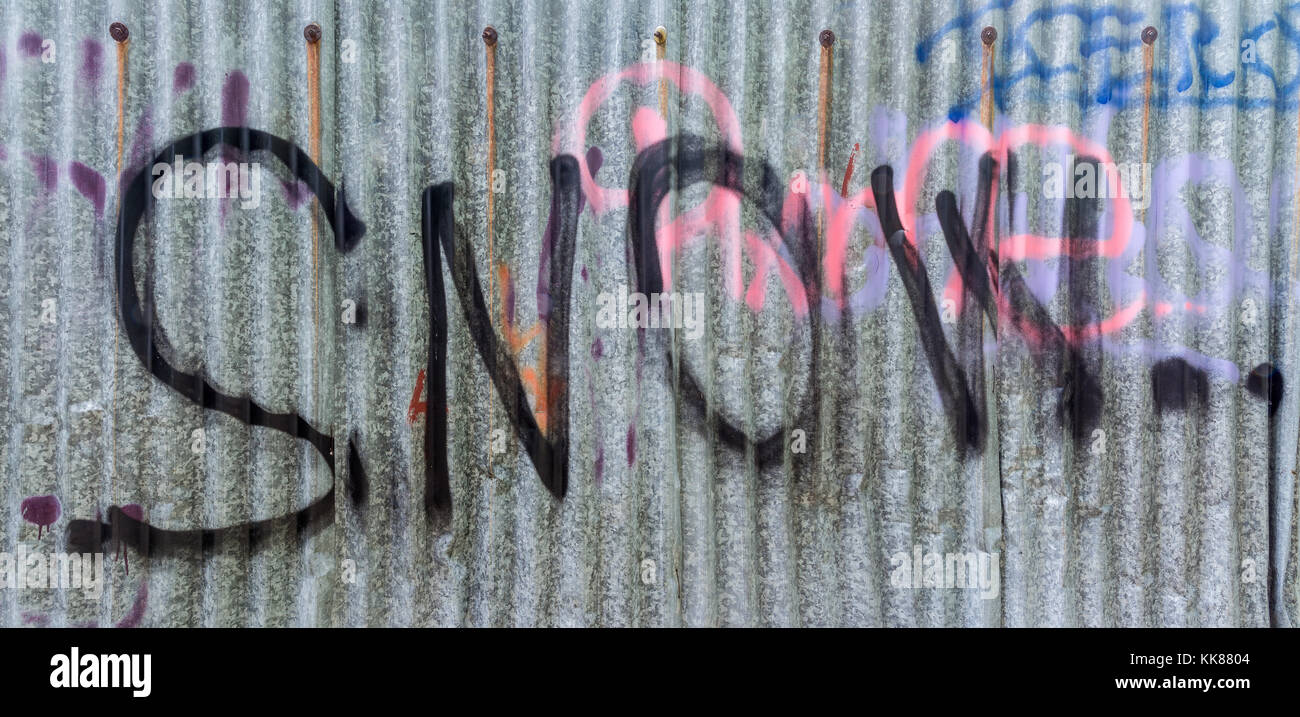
x=827, y=40
x=661, y=43
x=490, y=50
x=312, y=33
x=993, y=515
x=1149, y=35
x=989, y=37
x=122, y=36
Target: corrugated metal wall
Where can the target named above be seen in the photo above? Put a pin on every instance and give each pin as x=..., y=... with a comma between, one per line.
x=1119, y=456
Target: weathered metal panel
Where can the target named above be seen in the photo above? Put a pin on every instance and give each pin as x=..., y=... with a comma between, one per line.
x=1127, y=455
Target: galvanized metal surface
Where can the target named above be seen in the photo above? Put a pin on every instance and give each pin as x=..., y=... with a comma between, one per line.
x=1177, y=506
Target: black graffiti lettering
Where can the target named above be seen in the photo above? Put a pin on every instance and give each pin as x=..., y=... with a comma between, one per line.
x=142, y=328
x=967, y=427
x=1177, y=385
x=677, y=163
x=548, y=450
x=970, y=253
x=686, y=158
x=1266, y=382
x=1001, y=291
x=673, y=164
x=435, y=214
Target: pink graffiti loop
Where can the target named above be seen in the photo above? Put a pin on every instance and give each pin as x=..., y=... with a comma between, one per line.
x=720, y=210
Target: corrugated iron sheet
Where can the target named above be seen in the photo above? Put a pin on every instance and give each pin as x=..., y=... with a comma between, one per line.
x=1113, y=419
